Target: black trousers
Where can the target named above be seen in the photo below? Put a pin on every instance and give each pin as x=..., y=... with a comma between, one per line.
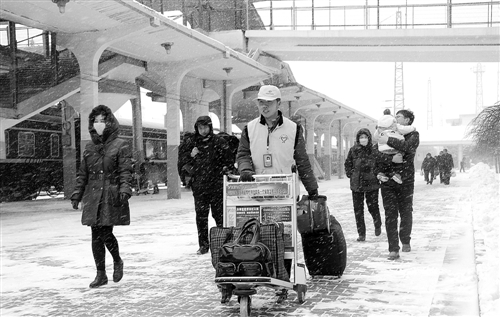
x=102, y=238
x=203, y=203
x=426, y=175
x=358, y=199
x=398, y=202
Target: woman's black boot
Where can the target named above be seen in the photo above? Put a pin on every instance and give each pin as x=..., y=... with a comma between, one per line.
x=100, y=279
x=118, y=273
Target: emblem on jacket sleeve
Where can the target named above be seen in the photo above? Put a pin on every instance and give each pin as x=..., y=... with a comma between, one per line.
x=283, y=138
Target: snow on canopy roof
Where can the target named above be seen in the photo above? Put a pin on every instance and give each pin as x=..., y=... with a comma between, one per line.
x=444, y=135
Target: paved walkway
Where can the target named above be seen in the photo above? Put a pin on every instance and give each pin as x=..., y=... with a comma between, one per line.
x=47, y=263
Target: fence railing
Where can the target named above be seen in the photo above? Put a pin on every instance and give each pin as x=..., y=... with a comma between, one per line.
x=318, y=15
x=328, y=15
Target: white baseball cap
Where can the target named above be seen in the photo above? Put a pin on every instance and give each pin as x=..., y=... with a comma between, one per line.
x=269, y=92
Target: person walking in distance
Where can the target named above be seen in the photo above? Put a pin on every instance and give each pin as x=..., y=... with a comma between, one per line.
x=360, y=169
x=447, y=163
x=463, y=163
x=398, y=198
x=428, y=166
x=205, y=157
x=103, y=185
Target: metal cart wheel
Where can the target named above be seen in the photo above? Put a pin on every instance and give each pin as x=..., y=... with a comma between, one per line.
x=301, y=292
x=245, y=305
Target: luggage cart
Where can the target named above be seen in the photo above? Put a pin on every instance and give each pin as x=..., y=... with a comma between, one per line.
x=269, y=198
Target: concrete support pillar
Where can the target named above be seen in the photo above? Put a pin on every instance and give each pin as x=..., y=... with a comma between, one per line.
x=172, y=74
x=340, y=151
x=137, y=139
x=226, y=109
x=310, y=139
x=88, y=49
x=328, y=154
x=69, y=148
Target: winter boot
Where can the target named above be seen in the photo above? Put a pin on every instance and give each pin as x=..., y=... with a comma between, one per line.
x=118, y=271
x=100, y=279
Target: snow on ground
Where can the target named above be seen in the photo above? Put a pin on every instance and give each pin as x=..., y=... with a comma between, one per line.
x=46, y=260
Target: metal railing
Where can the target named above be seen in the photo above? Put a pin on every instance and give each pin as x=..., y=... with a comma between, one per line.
x=329, y=15
x=319, y=15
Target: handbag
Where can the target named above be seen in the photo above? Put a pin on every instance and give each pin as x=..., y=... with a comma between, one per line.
x=313, y=215
x=271, y=234
x=252, y=259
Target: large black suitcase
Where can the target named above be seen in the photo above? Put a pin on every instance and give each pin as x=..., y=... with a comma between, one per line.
x=325, y=253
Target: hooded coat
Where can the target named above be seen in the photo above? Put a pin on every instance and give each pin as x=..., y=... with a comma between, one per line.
x=105, y=172
x=360, y=165
x=207, y=166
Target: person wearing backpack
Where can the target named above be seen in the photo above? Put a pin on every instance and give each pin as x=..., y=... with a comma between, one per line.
x=205, y=157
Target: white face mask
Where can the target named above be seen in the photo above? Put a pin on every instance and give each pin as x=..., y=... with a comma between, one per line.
x=363, y=142
x=99, y=127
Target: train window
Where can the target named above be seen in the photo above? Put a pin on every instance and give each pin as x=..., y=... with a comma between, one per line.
x=150, y=150
x=54, y=145
x=26, y=144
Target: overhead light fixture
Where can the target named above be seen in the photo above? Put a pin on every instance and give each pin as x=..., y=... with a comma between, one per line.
x=167, y=46
x=227, y=70
x=61, y=4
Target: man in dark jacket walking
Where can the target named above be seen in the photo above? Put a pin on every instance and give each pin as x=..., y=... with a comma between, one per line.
x=428, y=166
x=447, y=163
x=398, y=198
x=360, y=168
x=204, y=157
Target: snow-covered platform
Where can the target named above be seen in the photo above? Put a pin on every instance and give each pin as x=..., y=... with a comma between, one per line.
x=47, y=264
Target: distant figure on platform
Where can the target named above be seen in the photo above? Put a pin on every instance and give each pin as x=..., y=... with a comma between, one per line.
x=463, y=163
x=428, y=166
x=447, y=166
x=440, y=165
x=103, y=185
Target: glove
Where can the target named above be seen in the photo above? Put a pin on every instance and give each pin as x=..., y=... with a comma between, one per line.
x=246, y=176
x=313, y=194
x=75, y=203
x=381, y=177
x=124, y=197
x=226, y=170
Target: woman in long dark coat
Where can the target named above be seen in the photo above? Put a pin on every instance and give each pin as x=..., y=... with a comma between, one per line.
x=103, y=185
x=360, y=168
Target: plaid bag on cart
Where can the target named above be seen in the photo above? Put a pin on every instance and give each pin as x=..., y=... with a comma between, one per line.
x=271, y=235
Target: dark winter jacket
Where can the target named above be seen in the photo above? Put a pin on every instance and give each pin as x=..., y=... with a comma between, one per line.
x=409, y=147
x=448, y=161
x=206, y=168
x=429, y=164
x=246, y=160
x=105, y=172
x=360, y=165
